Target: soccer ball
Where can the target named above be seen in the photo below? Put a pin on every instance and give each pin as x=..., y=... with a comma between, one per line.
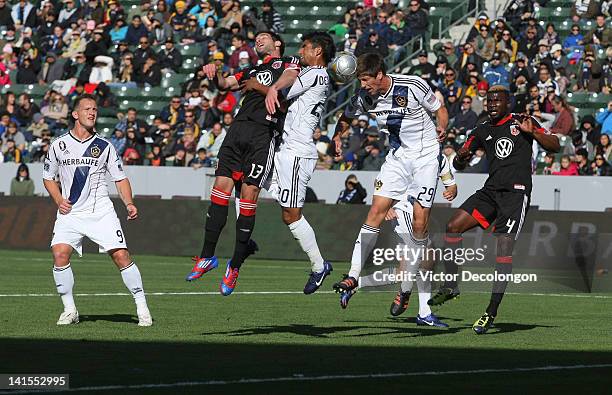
x=343, y=67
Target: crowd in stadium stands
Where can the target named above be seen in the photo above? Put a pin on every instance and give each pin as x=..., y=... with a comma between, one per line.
x=99, y=47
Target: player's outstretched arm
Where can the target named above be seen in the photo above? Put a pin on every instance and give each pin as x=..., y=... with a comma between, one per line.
x=342, y=126
x=63, y=205
x=286, y=80
x=213, y=73
x=125, y=193
x=548, y=141
x=462, y=158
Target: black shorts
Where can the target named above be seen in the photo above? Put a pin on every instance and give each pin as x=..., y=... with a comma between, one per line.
x=505, y=210
x=247, y=153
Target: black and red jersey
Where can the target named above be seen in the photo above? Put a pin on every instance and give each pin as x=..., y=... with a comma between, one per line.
x=509, y=152
x=267, y=73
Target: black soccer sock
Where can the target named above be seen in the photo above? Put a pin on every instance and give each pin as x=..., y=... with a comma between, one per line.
x=216, y=219
x=503, y=267
x=452, y=243
x=244, y=228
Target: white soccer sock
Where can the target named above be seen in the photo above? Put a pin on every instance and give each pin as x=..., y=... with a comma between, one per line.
x=424, y=287
x=133, y=281
x=304, y=234
x=64, y=282
x=365, y=244
x=370, y=281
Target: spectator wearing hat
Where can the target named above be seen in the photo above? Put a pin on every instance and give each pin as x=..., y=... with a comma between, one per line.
x=240, y=45
x=589, y=74
x=578, y=142
x=423, y=69
x=589, y=129
x=496, y=73
x=557, y=59
x=102, y=70
x=271, y=17
x=601, y=35
x=447, y=50
x=359, y=127
x=96, y=47
x=218, y=59
x=51, y=70
x=76, y=44
x=119, y=31
x=374, y=158
x=192, y=32
x=482, y=20
x=479, y=100
x=453, y=103
x=178, y=19
x=484, y=43
x=370, y=136
x=353, y=192
x=170, y=58
x=77, y=68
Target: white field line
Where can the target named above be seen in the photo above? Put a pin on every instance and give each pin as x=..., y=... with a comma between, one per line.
x=177, y=293
x=299, y=377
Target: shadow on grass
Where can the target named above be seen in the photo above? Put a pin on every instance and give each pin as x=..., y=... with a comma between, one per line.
x=109, y=317
x=97, y=363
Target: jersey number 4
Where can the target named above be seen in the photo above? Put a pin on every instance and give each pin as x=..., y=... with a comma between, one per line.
x=316, y=111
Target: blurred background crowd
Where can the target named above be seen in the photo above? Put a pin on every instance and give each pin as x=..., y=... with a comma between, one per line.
x=142, y=59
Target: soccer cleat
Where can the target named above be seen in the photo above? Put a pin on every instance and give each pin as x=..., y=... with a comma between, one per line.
x=203, y=265
x=430, y=320
x=68, y=318
x=483, y=324
x=229, y=280
x=144, y=318
x=347, y=284
x=444, y=294
x=400, y=304
x=345, y=296
x=316, y=279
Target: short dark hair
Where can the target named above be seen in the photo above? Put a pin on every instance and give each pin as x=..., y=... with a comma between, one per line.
x=239, y=37
x=323, y=40
x=84, y=96
x=275, y=37
x=370, y=64
x=132, y=109
x=23, y=166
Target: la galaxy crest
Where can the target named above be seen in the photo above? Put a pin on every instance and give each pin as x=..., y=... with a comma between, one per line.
x=378, y=184
x=401, y=101
x=95, y=151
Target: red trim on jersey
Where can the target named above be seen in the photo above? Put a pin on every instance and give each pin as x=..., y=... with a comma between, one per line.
x=239, y=75
x=248, y=207
x=219, y=197
x=504, y=120
x=503, y=259
x=452, y=240
x=468, y=142
x=480, y=218
x=268, y=58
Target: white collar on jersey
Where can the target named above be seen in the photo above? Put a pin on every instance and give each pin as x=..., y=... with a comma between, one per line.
x=82, y=141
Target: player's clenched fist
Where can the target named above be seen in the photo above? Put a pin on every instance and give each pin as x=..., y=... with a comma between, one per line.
x=132, y=211
x=210, y=70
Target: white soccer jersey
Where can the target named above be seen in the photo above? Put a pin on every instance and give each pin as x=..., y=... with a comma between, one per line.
x=403, y=112
x=446, y=176
x=82, y=167
x=307, y=97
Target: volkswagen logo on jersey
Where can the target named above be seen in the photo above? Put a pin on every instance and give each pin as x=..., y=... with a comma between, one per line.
x=265, y=78
x=95, y=151
x=503, y=147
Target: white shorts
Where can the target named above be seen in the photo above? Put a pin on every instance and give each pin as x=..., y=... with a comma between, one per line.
x=103, y=229
x=290, y=178
x=417, y=176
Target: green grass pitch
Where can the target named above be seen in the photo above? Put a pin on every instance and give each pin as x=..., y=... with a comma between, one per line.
x=288, y=342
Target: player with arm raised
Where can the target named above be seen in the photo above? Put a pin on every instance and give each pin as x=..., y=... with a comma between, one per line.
x=296, y=157
x=402, y=106
x=82, y=159
x=504, y=200
x=246, y=156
